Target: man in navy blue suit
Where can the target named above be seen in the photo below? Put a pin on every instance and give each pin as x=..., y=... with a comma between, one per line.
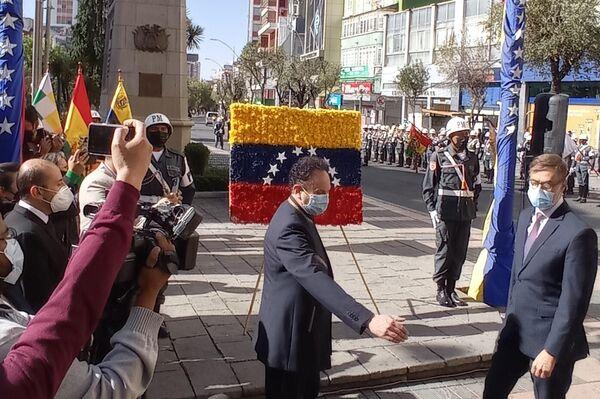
x=554, y=268
x=299, y=295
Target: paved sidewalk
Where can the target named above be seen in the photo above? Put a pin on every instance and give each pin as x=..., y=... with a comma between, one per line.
x=207, y=352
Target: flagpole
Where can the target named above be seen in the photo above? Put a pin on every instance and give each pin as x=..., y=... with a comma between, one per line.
x=119, y=75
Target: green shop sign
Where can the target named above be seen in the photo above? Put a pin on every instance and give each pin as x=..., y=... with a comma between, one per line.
x=409, y=4
x=359, y=72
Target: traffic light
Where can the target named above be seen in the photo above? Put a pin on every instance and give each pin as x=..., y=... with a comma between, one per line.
x=549, y=124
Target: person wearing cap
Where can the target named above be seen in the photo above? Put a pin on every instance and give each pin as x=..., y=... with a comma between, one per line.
x=474, y=144
x=451, y=189
x=391, y=147
x=383, y=144
x=399, y=140
x=367, y=143
x=376, y=139
x=584, y=161
x=96, y=117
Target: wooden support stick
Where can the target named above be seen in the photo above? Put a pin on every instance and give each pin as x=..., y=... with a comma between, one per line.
x=253, y=297
x=360, y=271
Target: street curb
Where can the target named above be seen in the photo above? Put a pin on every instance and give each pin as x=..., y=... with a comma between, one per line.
x=211, y=194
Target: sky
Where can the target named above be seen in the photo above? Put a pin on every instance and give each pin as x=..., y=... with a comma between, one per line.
x=226, y=20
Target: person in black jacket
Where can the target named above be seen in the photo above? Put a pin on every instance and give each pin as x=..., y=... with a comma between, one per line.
x=299, y=295
x=553, y=274
x=43, y=192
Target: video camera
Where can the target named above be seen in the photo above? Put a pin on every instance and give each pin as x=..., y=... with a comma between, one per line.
x=178, y=224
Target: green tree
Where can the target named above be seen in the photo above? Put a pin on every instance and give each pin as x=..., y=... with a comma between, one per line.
x=87, y=44
x=328, y=78
x=412, y=81
x=277, y=63
x=467, y=67
x=195, y=33
x=200, y=96
x=253, y=62
x=231, y=88
x=62, y=69
x=27, y=64
x=561, y=37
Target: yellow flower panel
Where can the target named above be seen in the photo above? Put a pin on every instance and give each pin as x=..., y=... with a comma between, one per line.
x=284, y=126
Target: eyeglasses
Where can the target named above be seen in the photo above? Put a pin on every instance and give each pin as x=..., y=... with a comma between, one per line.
x=546, y=186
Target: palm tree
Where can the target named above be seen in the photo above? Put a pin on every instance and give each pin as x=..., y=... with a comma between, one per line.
x=195, y=34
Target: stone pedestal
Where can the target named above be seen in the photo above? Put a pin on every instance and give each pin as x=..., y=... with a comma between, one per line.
x=146, y=40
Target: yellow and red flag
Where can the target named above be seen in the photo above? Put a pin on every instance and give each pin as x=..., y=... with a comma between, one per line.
x=80, y=113
x=421, y=140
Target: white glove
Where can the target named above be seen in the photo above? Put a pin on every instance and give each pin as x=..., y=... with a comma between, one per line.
x=435, y=220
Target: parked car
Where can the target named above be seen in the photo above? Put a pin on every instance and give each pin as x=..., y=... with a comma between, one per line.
x=211, y=117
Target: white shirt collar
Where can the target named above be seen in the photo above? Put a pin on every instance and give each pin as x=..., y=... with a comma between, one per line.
x=157, y=154
x=34, y=210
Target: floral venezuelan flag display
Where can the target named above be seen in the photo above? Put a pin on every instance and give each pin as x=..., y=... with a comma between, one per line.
x=267, y=141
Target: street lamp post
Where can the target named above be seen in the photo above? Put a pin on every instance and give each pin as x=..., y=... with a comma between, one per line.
x=228, y=46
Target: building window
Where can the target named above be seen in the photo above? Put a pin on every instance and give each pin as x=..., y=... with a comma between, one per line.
x=445, y=13
x=477, y=7
x=396, y=33
x=420, y=30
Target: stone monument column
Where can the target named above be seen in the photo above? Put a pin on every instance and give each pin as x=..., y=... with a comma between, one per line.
x=146, y=40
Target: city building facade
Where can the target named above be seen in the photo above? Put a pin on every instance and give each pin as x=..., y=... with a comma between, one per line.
x=64, y=12
x=194, y=67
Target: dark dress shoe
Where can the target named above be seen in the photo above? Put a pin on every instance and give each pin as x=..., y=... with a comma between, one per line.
x=444, y=300
x=456, y=299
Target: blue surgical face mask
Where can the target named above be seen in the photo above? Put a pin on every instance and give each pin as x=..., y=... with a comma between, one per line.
x=317, y=204
x=540, y=199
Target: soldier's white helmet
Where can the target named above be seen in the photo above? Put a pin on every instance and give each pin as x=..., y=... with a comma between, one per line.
x=583, y=136
x=527, y=136
x=158, y=119
x=425, y=131
x=96, y=114
x=473, y=133
x=457, y=125
x=432, y=131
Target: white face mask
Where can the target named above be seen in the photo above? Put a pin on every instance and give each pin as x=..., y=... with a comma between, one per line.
x=15, y=256
x=62, y=200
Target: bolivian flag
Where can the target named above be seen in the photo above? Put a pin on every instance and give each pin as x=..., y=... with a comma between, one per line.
x=45, y=104
x=267, y=141
x=80, y=113
x=119, y=108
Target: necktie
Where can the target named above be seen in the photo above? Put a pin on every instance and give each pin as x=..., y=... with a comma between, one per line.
x=535, y=232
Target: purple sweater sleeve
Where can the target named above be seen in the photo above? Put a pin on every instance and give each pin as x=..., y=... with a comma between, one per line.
x=36, y=365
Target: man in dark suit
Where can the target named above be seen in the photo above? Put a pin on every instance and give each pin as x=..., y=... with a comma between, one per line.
x=554, y=268
x=299, y=295
x=42, y=192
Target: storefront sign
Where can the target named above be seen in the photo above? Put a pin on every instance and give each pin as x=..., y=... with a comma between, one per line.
x=354, y=72
x=357, y=87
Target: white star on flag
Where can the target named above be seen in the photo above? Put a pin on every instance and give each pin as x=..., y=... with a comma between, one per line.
x=6, y=73
x=281, y=157
x=326, y=160
x=6, y=2
x=5, y=100
x=274, y=169
x=336, y=182
x=519, y=34
x=6, y=47
x=5, y=127
x=519, y=53
x=521, y=17
x=9, y=21
x=510, y=129
x=514, y=110
x=267, y=180
x=312, y=152
x=297, y=151
x=522, y=2
x=516, y=89
x=517, y=72
x=332, y=171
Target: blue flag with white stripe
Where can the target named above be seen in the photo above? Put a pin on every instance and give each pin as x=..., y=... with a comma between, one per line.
x=491, y=275
x=11, y=79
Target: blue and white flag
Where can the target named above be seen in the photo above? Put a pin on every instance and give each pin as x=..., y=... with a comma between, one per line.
x=491, y=275
x=11, y=79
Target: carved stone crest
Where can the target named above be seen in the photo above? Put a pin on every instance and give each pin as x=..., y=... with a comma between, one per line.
x=151, y=38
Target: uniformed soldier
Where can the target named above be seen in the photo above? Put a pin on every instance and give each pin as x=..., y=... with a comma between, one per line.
x=584, y=161
x=450, y=190
x=474, y=144
x=400, y=146
x=391, y=148
x=366, y=145
x=383, y=144
x=169, y=174
x=376, y=141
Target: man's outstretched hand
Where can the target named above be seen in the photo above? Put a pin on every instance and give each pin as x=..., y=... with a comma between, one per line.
x=131, y=158
x=388, y=327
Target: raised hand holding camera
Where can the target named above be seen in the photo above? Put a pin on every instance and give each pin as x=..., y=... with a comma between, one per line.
x=131, y=158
